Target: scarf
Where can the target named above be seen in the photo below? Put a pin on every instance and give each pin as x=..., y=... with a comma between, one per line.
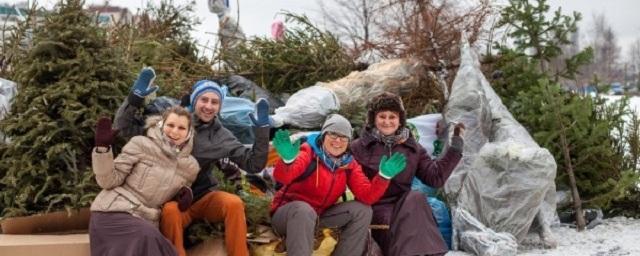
x=331, y=162
x=175, y=149
x=399, y=137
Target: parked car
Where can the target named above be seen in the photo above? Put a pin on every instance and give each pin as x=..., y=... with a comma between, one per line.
x=589, y=90
x=616, y=89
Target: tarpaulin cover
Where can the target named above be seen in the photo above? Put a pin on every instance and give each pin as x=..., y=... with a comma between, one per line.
x=505, y=180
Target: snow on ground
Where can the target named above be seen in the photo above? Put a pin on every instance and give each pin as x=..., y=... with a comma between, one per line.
x=616, y=236
x=634, y=102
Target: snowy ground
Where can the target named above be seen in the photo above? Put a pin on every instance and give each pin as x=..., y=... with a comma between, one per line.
x=634, y=102
x=616, y=236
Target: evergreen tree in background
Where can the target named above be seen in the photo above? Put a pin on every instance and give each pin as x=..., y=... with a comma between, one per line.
x=66, y=81
x=584, y=134
x=305, y=56
x=160, y=38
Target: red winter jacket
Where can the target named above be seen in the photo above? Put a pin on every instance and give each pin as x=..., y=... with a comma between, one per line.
x=323, y=187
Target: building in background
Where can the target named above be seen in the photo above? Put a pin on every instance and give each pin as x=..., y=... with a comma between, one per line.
x=12, y=14
x=110, y=15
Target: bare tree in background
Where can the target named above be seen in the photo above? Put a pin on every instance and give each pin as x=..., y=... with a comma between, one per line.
x=426, y=29
x=353, y=21
x=429, y=30
x=606, y=51
x=634, y=61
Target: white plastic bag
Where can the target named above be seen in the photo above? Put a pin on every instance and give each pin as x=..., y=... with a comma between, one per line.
x=426, y=126
x=219, y=7
x=8, y=90
x=229, y=30
x=307, y=108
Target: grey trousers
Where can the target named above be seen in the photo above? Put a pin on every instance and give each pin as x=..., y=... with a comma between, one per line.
x=297, y=221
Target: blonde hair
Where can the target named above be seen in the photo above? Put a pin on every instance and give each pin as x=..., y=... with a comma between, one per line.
x=179, y=111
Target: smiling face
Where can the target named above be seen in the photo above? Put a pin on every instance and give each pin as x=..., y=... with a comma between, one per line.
x=176, y=128
x=387, y=122
x=335, y=144
x=207, y=106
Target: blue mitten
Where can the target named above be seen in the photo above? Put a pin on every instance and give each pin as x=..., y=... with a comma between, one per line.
x=144, y=86
x=261, y=118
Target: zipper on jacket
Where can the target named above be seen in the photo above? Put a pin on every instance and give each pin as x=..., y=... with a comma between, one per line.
x=389, y=148
x=172, y=177
x=284, y=189
x=333, y=181
x=143, y=177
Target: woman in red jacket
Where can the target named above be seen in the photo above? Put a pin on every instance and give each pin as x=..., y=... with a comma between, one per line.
x=308, y=201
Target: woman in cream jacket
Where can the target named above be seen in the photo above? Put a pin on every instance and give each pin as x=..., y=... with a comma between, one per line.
x=148, y=172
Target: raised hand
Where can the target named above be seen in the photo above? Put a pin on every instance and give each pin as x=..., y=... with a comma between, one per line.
x=458, y=130
x=144, y=86
x=286, y=150
x=437, y=147
x=390, y=167
x=261, y=118
x=105, y=135
x=184, y=197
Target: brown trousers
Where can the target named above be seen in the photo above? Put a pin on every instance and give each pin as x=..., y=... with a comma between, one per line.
x=215, y=206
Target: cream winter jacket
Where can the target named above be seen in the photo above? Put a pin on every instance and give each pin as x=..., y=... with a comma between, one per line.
x=147, y=173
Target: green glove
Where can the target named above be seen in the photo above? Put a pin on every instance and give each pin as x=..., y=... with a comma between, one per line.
x=390, y=167
x=285, y=149
x=437, y=147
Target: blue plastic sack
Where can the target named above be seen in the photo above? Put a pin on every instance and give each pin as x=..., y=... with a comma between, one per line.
x=234, y=116
x=438, y=209
x=159, y=105
x=417, y=185
x=443, y=219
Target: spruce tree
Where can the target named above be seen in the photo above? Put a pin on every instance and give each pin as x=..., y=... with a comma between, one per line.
x=576, y=129
x=160, y=38
x=66, y=81
x=305, y=56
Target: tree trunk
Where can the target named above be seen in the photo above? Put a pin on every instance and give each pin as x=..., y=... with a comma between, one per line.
x=577, y=203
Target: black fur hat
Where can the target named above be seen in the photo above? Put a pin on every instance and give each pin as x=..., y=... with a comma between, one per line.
x=386, y=101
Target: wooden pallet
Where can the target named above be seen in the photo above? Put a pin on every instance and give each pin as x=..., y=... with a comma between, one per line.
x=52, y=245
x=78, y=245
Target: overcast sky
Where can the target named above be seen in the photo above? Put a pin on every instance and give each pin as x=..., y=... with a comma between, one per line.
x=622, y=15
x=256, y=15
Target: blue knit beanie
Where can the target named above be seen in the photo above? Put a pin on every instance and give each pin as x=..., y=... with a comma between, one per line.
x=203, y=86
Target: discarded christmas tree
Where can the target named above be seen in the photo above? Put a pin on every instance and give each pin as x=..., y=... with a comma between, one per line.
x=303, y=57
x=584, y=134
x=160, y=37
x=66, y=81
